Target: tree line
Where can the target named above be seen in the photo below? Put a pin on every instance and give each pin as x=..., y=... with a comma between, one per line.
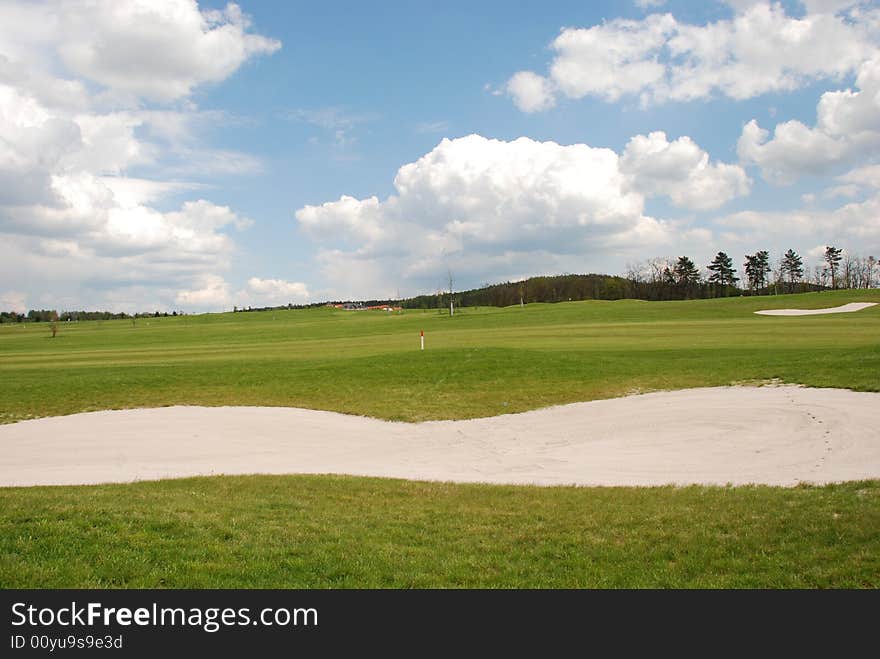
x=52, y=315
x=656, y=279
x=666, y=279
x=674, y=279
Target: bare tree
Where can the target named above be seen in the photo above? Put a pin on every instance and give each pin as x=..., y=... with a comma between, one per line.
x=861, y=271
x=849, y=271
x=657, y=268
x=775, y=277
x=820, y=276
x=635, y=273
x=451, y=288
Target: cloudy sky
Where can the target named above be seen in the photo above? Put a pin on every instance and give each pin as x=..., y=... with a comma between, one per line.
x=169, y=154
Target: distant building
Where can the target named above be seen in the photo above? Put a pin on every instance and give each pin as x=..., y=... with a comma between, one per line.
x=385, y=307
x=357, y=306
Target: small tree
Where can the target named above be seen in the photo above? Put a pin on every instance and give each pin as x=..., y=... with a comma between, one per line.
x=792, y=268
x=764, y=269
x=820, y=276
x=750, y=268
x=451, y=288
x=686, y=274
x=723, y=274
x=832, y=258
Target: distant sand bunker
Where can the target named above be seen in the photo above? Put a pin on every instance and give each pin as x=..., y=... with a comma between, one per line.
x=738, y=435
x=846, y=308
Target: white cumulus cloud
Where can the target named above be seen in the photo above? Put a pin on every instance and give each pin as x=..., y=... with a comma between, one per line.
x=158, y=50
x=658, y=58
x=681, y=170
x=612, y=59
x=13, y=301
x=488, y=209
x=847, y=128
x=868, y=176
x=212, y=292
x=853, y=225
x=649, y=4
x=531, y=92
x=81, y=132
x=273, y=292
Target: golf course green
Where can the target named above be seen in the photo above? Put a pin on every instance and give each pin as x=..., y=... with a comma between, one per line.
x=331, y=531
x=479, y=362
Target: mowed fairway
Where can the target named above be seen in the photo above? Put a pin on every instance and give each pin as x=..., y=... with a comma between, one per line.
x=328, y=531
x=480, y=362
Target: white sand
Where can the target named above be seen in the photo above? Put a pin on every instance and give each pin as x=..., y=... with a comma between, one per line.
x=773, y=435
x=846, y=308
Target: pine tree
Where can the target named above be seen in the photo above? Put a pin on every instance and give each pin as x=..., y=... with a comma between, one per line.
x=763, y=262
x=686, y=274
x=723, y=273
x=750, y=267
x=832, y=258
x=792, y=268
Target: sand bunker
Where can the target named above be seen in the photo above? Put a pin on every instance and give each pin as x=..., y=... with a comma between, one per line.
x=846, y=308
x=772, y=435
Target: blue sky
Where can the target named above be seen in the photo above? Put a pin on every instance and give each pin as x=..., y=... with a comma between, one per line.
x=190, y=156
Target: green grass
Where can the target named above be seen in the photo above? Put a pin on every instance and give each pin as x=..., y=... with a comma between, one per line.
x=481, y=362
x=326, y=531
x=340, y=532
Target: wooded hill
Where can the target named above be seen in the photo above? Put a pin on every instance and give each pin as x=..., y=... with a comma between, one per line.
x=557, y=288
x=561, y=288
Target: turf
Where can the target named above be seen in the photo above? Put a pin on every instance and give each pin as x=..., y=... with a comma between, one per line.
x=480, y=362
x=329, y=531
x=340, y=532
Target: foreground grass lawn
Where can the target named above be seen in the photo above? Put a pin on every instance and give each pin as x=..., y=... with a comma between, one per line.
x=340, y=532
x=480, y=362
